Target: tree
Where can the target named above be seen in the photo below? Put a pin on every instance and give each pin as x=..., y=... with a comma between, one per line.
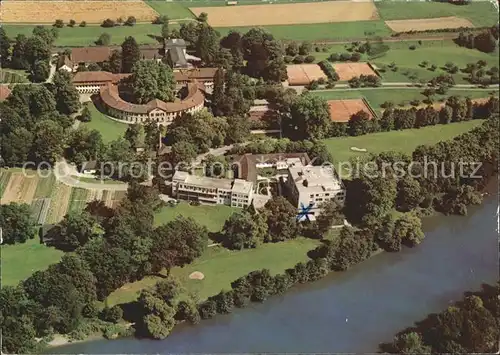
x=207, y=45
x=183, y=152
x=330, y=215
x=359, y=123
x=108, y=23
x=48, y=35
x=408, y=228
x=65, y=93
x=411, y=343
x=131, y=54
x=244, y=230
x=130, y=21
x=292, y=49
x=178, y=243
x=309, y=119
x=19, y=59
x=37, y=49
x=114, y=63
x=104, y=39
x=16, y=146
x=84, y=145
x=48, y=143
x=409, y=194
x=75, y=230
x=305, y=48
x=281, y=219
x=85, y=116
x=4, y=48
x=59, y=24
x=71, y=23
x=152, y=80
x=17, y=224
x=112, y=314
x=203, y=17
x=83, y=24
x=135, y=135
x=158, y=320
x=40, y=71
x=165, y=29
x=351, y=249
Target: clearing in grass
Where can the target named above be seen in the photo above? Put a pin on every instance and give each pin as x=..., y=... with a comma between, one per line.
x=90, y=11
x=221, y=266
x=212, y=217
x=287, y=14
x=109, y=128
x=404, y=141
x=19, y=261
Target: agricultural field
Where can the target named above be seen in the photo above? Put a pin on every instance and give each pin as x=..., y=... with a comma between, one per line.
x=480, y=13
x=174, y=10
x=213, y=217
x=287, y=14
x=94, y=11
x=399, y=96
x=222, y=266
x=428, y=24
x=11, y=76
x=109, y=129
x=19, y=261
x=404, y=141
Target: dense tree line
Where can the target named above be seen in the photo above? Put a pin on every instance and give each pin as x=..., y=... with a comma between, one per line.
x=29, y=53
x=469, y=326
x=485, y=41
x=17, y=224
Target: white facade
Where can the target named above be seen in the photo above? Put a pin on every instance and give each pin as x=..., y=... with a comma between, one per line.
x=90, y=88
x=312, y=185
x=235, y=193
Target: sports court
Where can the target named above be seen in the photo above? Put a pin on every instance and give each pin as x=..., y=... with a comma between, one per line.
x=342, y=110
x=347, y=71
x=303, y=74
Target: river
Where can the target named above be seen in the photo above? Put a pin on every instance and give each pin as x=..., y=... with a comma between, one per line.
x=347, y=312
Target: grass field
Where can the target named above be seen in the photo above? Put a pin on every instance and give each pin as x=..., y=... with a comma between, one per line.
x=19, y=261
x=213, y=217
x=110, y=129
x=321, y=31
x=402, y=141
x=376, y=97
x=221, y=266
x=480, y=13
x=173, y=10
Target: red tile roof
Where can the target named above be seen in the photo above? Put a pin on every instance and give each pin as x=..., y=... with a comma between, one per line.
x=90, y=54
x=4, y=92
x=98, y=76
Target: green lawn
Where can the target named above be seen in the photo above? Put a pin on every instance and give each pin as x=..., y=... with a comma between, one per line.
x=480, y=13
x=86, y=36
x=377, y=96
x=110, y=129
x=213, y=217
x=172, y=10
x=222, y=266
x=321, y=31
x=19, y=261
x=78, y=199
x=402, y=141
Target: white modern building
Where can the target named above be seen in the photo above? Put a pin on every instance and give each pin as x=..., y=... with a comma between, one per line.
x=310, y=186
x=235, y=193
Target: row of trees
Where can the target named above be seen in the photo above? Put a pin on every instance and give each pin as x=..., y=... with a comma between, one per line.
x=29, y=53
x=469, y=326
x=485, y=41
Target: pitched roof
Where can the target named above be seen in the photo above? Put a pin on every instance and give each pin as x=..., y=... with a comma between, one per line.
x=4, y=92
x=177, y=56
x=111, y=97
x=151, y=53
x=98, y=76
x=175, y=42
x=90, y=54
x=200, y=74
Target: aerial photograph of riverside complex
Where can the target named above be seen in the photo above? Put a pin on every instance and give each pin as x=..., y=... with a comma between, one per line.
x=249, y=176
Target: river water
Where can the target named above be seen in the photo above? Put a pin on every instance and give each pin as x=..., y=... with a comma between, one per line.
x=347, y=312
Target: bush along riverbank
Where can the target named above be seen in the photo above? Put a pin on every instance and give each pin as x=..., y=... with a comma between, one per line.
x=387, y=214
x=469, y=326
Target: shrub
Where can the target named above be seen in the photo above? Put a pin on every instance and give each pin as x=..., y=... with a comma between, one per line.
x=354, y=82
x=288, y=59
x=433, y=67
x=355, y=57
x=412, y=47
x=334, y=57
x=345, y=57
x=415, y=102
x=59, y=24
x=72, y=23
x=298, y=59
x=130, y=21
x=313, y=85
x=104, y=39
x=305, y=48
x=387, y=104
x=309, y=59
x=119, y=21
x=324, y=49
x=113, y=314
x=329, y=70
x=317, y=49
x=83, y=24
x=160, y=20
x=330, y=84
x=108, y=23
x=321, y=81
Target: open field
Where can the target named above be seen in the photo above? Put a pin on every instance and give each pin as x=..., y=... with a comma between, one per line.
x=303, y=74
x=480, y=13
x=94, y=11
x=174, y=10
x=287, y=14
x=20, y=261
x=213, y=217
x=347, y=71
x=402, y=141
x=399, y=96
x=19, y=188
x=109, y=129
x=222, y=266
x=428, y=24
x=342, y=110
